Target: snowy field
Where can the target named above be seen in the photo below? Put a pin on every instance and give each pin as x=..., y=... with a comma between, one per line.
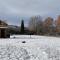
x=34, y=48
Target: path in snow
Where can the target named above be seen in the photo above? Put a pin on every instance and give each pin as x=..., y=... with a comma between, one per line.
x=26, y=53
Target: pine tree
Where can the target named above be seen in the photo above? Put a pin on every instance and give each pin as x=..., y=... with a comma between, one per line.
x=22, y=27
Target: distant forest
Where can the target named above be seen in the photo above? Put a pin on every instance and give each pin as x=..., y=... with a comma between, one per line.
x=38, y=26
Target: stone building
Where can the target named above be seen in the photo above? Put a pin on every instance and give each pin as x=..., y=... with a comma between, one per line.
x=4, y=30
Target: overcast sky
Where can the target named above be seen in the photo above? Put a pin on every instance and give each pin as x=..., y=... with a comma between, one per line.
x=14, y=10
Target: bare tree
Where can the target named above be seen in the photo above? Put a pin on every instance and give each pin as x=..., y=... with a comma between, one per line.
x=48, y=25
x=57, y=22
x=35, y=24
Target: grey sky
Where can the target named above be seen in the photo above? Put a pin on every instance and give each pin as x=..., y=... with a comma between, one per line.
x=12, y=10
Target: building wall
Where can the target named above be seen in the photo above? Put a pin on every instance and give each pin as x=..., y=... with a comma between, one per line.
x=4, y=26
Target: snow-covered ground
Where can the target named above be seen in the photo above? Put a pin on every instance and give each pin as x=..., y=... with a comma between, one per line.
x=35, y=48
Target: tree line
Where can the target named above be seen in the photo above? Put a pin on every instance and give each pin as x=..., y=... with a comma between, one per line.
x=48, y=26
x=39, y=26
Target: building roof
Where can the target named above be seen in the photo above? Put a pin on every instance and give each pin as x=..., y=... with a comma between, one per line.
x=3, y=27
x=3, y=24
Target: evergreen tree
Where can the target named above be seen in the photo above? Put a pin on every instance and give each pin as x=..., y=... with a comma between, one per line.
x=22, y=27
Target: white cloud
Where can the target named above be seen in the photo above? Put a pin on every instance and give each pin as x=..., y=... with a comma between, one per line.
x=29, y=7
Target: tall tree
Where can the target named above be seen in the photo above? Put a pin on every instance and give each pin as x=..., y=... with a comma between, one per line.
x=57, y=22
x=48, y=24
x=35, y=24
x=22, y=27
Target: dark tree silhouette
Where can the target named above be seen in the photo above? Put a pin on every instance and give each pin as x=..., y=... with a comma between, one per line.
x=22, y=27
